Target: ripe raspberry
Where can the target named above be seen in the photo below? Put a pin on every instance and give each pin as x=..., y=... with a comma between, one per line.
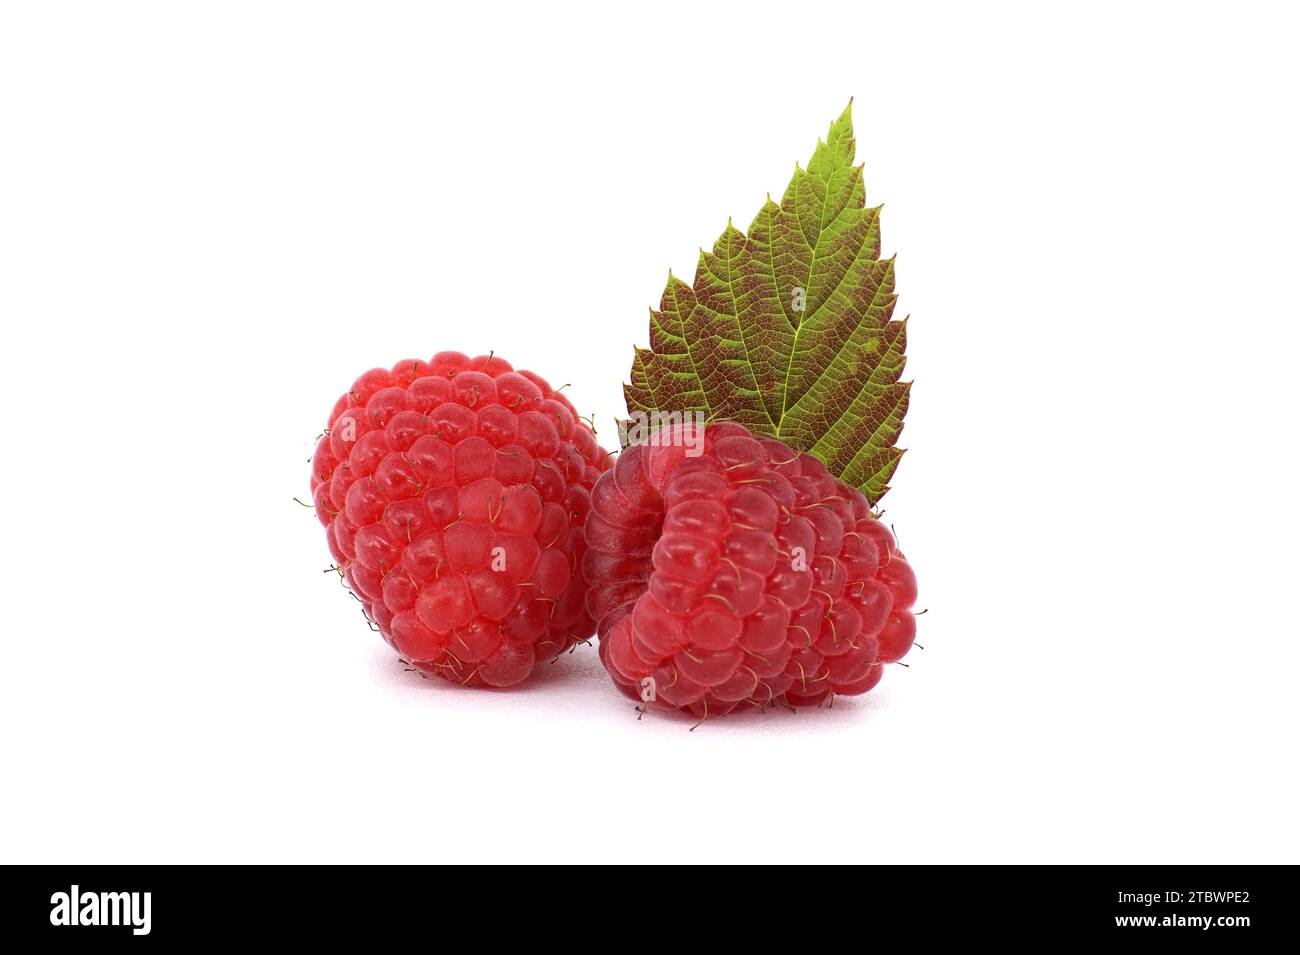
x=744, y=574
x=453, y=494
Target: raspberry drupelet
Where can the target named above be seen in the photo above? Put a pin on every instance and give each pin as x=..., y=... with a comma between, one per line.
x=453, y=494
x=743, y=574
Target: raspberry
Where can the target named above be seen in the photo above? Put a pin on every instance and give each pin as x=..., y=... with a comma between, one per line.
x=453, y=495
x=743, y=574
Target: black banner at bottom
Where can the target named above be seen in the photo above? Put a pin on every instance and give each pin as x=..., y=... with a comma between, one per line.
x=1231, y=906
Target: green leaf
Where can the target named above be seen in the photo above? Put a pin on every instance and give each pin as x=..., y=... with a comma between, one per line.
x=787, y=328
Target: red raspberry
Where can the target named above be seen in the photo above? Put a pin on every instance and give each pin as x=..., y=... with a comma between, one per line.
x=453, y=495
x=745, y=573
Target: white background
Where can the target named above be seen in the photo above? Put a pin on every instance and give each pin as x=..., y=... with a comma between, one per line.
x=213, y=217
